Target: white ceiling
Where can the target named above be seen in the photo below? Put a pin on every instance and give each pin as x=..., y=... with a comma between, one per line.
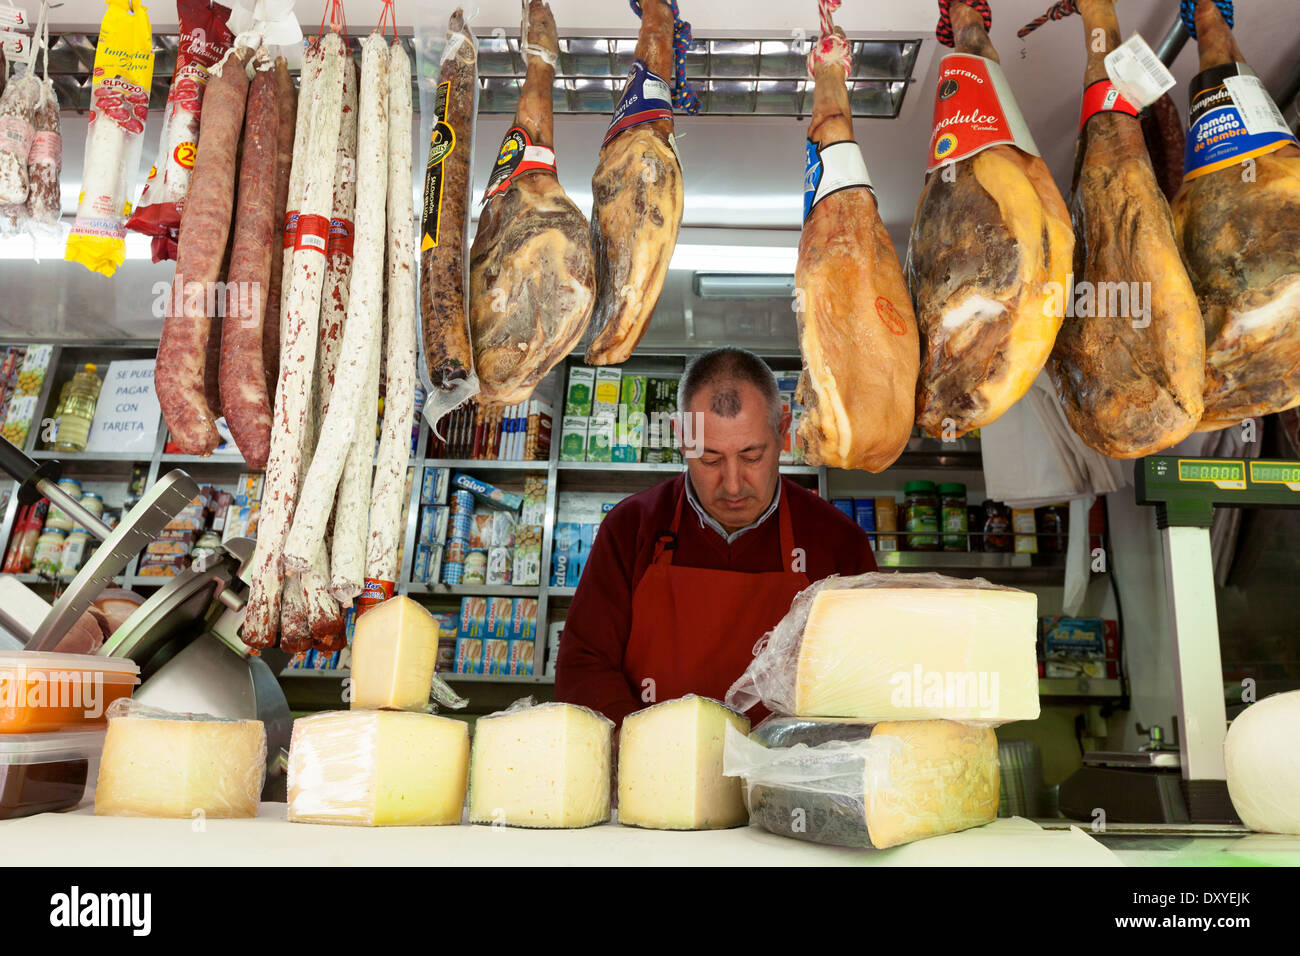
x=742, y=175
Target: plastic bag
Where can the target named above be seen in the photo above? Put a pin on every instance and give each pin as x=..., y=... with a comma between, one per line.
x=161, y=763
x=541, y=765
x=204, y=39
x=335, y=775
x=882, y=679
x=863, y=783
x=439, y=49
x=119, y=101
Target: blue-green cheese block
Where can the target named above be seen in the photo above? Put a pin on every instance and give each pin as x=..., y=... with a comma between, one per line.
x=927, y=778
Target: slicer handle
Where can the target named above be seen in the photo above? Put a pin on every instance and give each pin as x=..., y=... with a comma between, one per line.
x=26, y=471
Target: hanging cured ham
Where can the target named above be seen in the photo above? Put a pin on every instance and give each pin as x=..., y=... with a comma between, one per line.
x=1129, y=361
x=1237, y=219
x=991, y=246
x=637, y=196
x=532, y=281
x=857, y=332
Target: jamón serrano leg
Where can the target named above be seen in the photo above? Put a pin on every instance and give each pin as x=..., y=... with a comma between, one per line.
x=179, y=378
x=532, y=279
x=991, y=240
x=857, y=332
x=1239, y=231
x=637, y=197
x=243, y=386
x=1130, y=383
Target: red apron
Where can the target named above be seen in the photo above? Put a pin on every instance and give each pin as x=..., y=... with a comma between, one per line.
x=694, y=629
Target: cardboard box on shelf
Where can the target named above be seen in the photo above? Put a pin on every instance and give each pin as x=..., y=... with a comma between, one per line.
x=534, y=509
x=573, y=438
x=521, y=657
x=582, y=385
x=604, y=401
x=433, y=488
x=500, y=613
x=496, y=656
x=600, y=439
x=528, y=555
x=488, y=494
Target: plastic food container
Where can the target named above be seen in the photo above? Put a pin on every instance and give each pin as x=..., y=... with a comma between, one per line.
x=40, y=773
x=42, y=692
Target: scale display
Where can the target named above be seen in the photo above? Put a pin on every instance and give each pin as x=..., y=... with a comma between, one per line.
x=1188, y=489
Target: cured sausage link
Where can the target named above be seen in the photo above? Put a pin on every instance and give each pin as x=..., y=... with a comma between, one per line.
x=287, y=100
x=293, y=396
x=243, y=386
x=350, y=419
x=445, y=323
x=205, y=227
x=399, y=388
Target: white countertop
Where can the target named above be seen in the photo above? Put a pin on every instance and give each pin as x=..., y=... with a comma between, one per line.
x=81, y=838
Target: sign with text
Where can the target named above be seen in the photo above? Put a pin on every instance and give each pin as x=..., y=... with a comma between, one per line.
x=126, y=417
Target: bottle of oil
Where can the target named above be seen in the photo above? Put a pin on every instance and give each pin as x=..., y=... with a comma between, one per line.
x=77, y=411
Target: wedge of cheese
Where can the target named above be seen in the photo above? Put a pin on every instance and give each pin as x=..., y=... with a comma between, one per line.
x=670, y=767
x=179, y=766
x=394, y=651
x=378, y=768
x=923, y=778
x=541, y=766
x=914, y=653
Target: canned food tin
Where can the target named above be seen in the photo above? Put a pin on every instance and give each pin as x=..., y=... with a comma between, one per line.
x=462, y=500
x=475, y=568
x=453, y=572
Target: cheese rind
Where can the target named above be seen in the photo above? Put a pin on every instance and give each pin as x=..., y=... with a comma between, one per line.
x=925, y=778
x=900, y=653
x=670, y=767
x=378, y=768
x=541, y=766
x=394, y=652
x=178, y=767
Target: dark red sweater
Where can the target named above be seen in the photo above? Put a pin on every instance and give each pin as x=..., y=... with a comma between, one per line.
x=590, y=666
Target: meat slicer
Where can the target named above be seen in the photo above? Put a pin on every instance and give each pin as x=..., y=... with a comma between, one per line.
x=185, y=637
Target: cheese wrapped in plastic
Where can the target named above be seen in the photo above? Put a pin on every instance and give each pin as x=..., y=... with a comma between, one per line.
x=859, y=784
x=378, y=768
x=899, y=647
x=541, y=765
x=670, y=767
x=157, y=763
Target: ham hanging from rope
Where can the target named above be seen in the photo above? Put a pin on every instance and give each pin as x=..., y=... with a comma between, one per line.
x=532, y=281
x=637, y=196
x=991, y=241
x=857, y=331
x=1129, y=362
x=1237, y=219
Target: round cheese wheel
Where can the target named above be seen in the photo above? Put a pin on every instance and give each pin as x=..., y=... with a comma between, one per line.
x=1262, y=757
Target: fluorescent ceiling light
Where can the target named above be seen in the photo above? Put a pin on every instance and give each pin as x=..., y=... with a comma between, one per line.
x=713, y=285
x=761, y=260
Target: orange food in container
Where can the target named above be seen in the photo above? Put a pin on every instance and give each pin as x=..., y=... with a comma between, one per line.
x=42, y=692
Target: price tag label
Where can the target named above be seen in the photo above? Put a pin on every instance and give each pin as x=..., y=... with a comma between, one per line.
x=13, y=18
x=1137, y=72
x=1258, y=112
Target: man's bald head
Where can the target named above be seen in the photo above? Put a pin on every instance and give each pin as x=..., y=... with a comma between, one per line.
x=720, y=373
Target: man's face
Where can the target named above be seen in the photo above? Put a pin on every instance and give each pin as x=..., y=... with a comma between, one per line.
x=735, y=465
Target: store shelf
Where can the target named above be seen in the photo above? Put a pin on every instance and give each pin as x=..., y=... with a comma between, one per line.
x=1017, y=568
x=487, y=464
x=173, y=459
x=491, y=590
x=561, y=592
x=651, y=467
x=91, y=456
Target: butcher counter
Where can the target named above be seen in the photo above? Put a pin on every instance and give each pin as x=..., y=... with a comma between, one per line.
x=81, y=838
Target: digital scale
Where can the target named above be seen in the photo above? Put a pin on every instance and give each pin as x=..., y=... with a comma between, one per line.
x=1161, y=784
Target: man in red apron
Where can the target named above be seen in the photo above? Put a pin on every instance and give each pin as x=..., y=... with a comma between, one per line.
x=684, y=578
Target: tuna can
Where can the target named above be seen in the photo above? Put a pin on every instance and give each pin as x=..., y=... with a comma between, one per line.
x=459, y=524
x=462, y=501
x=452, y=571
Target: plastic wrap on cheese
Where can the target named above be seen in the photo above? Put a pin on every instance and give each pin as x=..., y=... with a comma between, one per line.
x=158, y=763
x=378, y=768
x=859, y=784
x=899, y=647
x=541, y=765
